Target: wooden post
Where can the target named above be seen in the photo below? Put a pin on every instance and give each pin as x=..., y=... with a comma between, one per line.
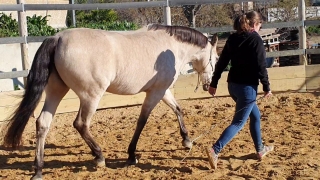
x=22, y=19
x=302, y=31
x=167, y=14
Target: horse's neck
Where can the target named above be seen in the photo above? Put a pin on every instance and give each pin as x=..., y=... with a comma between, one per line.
x=186, y=54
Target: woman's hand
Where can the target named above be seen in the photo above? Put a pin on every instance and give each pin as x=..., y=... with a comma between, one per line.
x=267, y=94
x=212, y=91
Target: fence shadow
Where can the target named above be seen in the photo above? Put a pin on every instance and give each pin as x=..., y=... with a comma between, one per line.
x=309, y=80
x=16, y=82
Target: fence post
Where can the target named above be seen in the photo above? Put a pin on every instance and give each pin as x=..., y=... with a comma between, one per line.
x=73, y=15
x=167, y=14
x=22, y=20
x=302, y=31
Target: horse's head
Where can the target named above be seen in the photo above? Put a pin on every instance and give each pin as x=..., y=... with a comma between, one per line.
x=204, y=62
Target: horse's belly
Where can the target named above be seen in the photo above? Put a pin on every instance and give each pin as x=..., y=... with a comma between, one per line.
x=128, y=89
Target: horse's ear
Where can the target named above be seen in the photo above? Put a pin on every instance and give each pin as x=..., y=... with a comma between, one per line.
x=214, y=39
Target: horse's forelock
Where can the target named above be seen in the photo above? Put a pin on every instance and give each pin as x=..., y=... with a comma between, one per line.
x=183, y=34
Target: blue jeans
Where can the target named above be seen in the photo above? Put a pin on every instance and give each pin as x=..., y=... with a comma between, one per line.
x=244, y=96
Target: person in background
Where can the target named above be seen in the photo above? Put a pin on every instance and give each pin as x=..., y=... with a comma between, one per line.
x=247, y=54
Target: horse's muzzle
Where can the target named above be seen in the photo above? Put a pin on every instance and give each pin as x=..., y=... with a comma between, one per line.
x=205, y=87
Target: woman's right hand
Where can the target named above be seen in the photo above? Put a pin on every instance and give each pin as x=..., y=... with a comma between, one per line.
x=212, y=91
x=267, y=94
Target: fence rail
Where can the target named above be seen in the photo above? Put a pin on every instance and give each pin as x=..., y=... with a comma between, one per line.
x=14, y=74
x=167, y=3
x=11, y=40
x=124, y=5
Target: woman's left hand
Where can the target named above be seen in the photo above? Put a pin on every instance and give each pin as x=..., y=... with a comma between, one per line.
x=267, y=94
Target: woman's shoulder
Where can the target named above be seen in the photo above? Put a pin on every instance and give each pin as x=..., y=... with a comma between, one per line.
x=254, y=36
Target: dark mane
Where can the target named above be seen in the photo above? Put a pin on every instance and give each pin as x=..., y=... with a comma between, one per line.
x=183, y=34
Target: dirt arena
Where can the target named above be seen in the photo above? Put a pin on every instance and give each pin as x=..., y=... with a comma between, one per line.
x=290, y=121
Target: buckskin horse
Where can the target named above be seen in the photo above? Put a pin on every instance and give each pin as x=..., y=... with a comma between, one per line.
x=91, y=62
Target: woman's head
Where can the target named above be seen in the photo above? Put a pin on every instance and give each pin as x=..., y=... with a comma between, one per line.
x=248, y=22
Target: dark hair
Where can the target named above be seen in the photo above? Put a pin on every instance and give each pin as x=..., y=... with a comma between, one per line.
x=183, y=34
x=245, y=22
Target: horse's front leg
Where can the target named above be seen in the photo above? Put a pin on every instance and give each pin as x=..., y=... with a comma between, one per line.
x=151, y=100
x=172, y=103
x=183, y=130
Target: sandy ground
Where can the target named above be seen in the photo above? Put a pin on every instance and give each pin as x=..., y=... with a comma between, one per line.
x=290, y=121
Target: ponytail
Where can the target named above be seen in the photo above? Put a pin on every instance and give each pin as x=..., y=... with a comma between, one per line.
x=245, y=22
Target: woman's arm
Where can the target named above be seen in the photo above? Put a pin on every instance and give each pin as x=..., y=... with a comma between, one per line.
x=221, y=65
x=260, y=54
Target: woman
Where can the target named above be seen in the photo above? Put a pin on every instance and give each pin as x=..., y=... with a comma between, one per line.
x=247, y=53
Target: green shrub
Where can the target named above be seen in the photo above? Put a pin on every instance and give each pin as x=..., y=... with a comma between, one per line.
x=102, y=19
x=115, y=26
x=106, y=19
x=9, y=26
x=96, y=16
x=313, y=30
x=37, y=26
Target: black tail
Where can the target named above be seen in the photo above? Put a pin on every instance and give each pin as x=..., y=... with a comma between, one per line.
x=36, y=82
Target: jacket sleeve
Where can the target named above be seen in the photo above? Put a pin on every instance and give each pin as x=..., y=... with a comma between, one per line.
x=260, y=55
x=221, y=65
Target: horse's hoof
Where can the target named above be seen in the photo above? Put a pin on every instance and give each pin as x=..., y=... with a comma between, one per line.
x=187, y=143
x=100, y=162
x=132, y=162
x=36, y=177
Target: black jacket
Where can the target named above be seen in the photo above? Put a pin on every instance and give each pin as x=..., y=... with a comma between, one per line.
x=248, y=61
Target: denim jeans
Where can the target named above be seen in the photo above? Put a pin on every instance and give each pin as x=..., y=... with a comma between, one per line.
x=244, y=96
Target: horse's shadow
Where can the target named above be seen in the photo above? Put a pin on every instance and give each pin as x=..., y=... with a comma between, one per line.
x=89, y=165
x=27, y=165
x=121, y=163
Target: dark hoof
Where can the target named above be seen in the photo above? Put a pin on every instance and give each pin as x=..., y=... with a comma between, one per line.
x=131, y=162
x=187, y=143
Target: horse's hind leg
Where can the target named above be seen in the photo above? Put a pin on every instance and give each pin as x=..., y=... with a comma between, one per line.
x=172, y=103
x=55, y=91
x=88, y=107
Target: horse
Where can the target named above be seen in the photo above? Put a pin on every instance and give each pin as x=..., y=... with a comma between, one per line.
x=92, y=62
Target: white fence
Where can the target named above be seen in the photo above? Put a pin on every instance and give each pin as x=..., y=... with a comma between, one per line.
x=24, y=39
x=280, y=14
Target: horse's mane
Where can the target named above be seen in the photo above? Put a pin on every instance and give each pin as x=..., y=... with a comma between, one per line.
x=183, y=34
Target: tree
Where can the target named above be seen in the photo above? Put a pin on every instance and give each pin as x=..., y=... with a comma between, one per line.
x=284, y=10
x=190, y=12
x=215, y=15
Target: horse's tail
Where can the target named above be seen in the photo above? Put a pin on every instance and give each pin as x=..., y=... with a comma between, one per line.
x=36, y=81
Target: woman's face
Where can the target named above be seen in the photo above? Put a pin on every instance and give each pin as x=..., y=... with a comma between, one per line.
x=257, y=26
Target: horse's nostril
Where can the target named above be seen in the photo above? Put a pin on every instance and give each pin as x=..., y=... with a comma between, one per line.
x=205, y=87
